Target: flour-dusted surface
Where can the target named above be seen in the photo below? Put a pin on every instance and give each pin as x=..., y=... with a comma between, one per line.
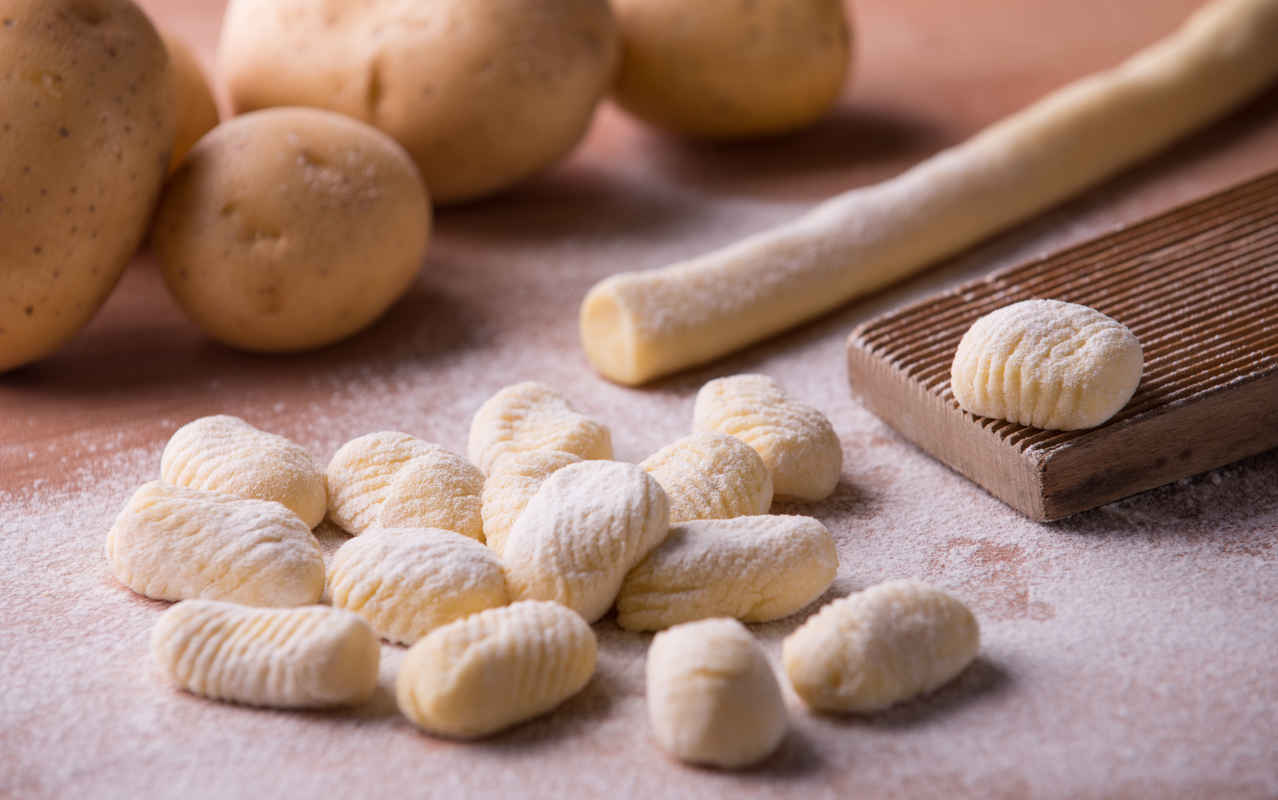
x=1126, y=652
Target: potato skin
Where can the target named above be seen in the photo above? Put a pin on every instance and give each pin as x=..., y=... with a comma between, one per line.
x=291, y=228
x=731, y=69
x=196, y=109
x=85, y=134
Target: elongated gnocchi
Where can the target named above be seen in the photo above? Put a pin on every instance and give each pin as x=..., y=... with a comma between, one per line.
x=288, y=658
x=361, y=472
x=494, y=669
x=405, y=582
x=513, y=481
x=226, y=454
x=755, y=569
x=711, y=476
x=588, y=524
x=878, y=647
x=531, y=416
x=712, y=696
x=1046, y=364
x=796, y=441
x=173, y=543
x=436, y=490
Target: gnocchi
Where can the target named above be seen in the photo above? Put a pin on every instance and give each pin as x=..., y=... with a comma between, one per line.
x=288, y=658
x=878, y=647
x=1046, y=364
x=588, y=524
x=712, y=696
x=406, y=582
x=711, y=476
x=361, y=473
x=795, y=440
x=436, y=490
x=494, y=669
x=755, y=569
x=511, y=484
x=173, y=543
x=226, y=454
x=531, y=416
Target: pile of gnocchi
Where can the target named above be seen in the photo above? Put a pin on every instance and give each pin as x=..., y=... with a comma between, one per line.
x=493, y=566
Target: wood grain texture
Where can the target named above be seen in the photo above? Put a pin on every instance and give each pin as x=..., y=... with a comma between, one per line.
x=1198, y=285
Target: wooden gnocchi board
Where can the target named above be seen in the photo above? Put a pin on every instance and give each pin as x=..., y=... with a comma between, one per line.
x=1198, y=285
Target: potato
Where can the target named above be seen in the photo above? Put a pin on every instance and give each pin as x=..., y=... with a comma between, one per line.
x=728, y=69
x=196, y=109
x=86, y=126
x=291, y=228
x=482, y=93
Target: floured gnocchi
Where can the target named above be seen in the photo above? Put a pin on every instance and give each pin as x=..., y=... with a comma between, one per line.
x=531, y=416
x=513, y=481
x=436, y=490
x=711, y=476
x=361, y=473
x=1046, y=364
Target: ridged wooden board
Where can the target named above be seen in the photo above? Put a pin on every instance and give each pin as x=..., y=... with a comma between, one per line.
x=1198, y=285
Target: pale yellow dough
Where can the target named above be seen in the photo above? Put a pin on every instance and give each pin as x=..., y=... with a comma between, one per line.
x=362, y=472
x=711, y=476
x=532, y=416
x=437, y=490
x=513, y=481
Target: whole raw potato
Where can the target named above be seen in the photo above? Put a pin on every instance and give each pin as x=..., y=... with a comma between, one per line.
x=196, y=109
x=726, y=69
x=291, y=228
x=86, y=126
x=482, y=93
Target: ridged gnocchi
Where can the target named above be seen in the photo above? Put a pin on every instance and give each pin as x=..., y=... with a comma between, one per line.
x=436, y=490
x=755, y=569
x=361, y=472
x=795, y=440
x=532, y=416
x=889, y=643
x=173, y=543
x=712, y=696
x=287, y=658
x=711, y=476
x=225, y=454
x=513, y=481
x=588, y=524
x=405, y=582
x=494, y=669
x=1046, y=364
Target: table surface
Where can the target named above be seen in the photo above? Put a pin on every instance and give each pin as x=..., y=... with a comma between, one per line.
x=1126, y=652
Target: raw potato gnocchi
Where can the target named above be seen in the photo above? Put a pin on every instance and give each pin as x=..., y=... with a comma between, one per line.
x=436, y=490
x=405, y=582
x=795, y=440
x=226, y=454
x=491, y=670
x=1046, y=364
x=712, y=696
x=172, y=543
x=286, y=658
x=756, y=569
x=532, y=416
x=588, y=524
x=889, y=643
x=514, y=481
x=361, y=473
x=711, y=476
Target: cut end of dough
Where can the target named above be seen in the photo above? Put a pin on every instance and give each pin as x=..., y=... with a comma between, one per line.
x=608, y=335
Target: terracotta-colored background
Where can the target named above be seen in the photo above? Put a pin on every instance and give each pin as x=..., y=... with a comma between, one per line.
x=1127, y=652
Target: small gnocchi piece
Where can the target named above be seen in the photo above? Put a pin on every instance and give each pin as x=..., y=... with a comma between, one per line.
x=711, y=476
x=287, y=658
x=588, y=524
x=531, y=416
x=494, y=669
x=361, y=473
x=226, y=454
x=872, y=649
x=1046, y=364
x=406, y=582
x=756, y=569
x=795, y=440
x=513, y=481
x=173, y=543
x=436, y=490
x=712, y=696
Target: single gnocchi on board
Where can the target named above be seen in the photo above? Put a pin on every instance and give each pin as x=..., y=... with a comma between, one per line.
x=439, y=489
x=532, y=416
x=174, y=543
x=286, y=658
x=796, y=441
x=513, y=481
x=1046, y=364
x=878, y=647
x=361, y=473
x=711, y=476
x=491, y=670
x=405, y=582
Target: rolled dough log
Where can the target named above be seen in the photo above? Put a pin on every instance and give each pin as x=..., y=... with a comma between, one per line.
x=639, y=325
